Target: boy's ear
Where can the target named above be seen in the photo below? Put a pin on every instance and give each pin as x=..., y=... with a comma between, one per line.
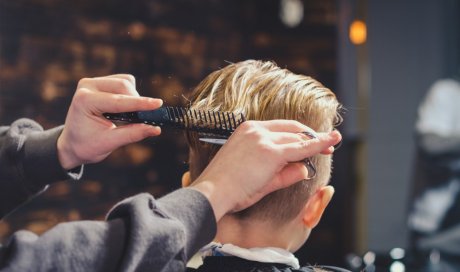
x=316, y=205
x=186, y=181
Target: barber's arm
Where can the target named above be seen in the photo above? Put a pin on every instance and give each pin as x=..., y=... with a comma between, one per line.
x=140, y=234
x=31, y=158
x=28, y=162
x=144, y=234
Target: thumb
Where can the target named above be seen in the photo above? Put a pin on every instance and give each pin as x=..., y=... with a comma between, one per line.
x=290, y=174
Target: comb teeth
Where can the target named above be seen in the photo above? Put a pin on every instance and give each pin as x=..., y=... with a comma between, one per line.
x=208, y=122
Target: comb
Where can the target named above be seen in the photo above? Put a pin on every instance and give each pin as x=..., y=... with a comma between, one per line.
x=215, y=123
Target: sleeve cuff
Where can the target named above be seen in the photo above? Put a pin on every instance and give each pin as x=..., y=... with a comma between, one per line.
x=41, y=163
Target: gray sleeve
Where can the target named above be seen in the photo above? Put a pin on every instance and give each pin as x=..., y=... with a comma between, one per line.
x=28, y=162
x=141, y=234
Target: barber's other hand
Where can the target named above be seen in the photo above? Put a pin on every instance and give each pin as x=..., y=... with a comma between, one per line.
x=260, y=157
x=87, y=136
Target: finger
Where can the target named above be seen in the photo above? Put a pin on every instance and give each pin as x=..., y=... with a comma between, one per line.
x=128, y=77
x=287, y=137
x=131, y=133
x=331, y=149
x=300, y=150
x=328, y=150
x=100, y=102
x=285, y=126
x=113, y=85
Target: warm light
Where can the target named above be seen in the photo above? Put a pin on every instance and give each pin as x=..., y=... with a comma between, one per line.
x=358, y=32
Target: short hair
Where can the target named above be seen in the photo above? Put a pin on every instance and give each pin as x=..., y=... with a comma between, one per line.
x=263, y=91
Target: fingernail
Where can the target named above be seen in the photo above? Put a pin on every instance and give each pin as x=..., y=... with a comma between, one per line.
x=153, y=130
x=335, y=134
x=157, y=130
x=155, y=100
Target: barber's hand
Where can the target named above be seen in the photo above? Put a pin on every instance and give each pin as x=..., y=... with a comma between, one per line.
x=260, y=157
x=87, y=136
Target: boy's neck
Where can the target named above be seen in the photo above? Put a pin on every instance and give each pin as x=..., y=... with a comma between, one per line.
x=257, y=233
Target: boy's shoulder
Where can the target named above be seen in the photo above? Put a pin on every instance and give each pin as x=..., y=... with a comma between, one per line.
x=235, y=264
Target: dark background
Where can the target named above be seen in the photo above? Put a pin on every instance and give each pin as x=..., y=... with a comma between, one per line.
x=46, y=46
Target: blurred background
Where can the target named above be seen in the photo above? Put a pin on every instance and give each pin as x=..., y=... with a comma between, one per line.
x=381, y=58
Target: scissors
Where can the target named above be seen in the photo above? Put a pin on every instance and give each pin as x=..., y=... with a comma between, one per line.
x=307, y=162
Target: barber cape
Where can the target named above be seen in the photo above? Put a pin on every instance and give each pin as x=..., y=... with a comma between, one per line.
x=231, y=258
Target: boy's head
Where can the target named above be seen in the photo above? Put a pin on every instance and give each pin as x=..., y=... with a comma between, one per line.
x=263, y=91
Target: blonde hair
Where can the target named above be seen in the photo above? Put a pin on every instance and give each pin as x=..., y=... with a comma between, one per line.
x=263, y=91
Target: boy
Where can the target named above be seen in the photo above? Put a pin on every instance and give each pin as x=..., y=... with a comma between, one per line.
x=263, y=236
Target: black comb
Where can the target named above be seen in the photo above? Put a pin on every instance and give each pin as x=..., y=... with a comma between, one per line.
x=215, y=123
